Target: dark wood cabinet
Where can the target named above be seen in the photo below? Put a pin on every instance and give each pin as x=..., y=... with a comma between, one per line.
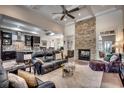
x=28, y=40
x=32, y=40
x=35, y=42
x=70, y=53
x=8, y=55
x=36, y=39
x=6, y=38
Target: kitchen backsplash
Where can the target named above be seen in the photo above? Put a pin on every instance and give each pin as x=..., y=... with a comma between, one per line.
x=15, y=47
x=9, y=48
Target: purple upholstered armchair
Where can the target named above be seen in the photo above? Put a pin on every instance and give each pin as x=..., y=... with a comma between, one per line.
x=112, y=66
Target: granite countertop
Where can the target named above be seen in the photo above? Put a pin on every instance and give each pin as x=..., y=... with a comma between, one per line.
x=11, y=64
x=17, y=51
x=15, y=67
x=26, y=50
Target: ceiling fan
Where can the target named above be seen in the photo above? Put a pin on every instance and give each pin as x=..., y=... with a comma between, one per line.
x=66, y=12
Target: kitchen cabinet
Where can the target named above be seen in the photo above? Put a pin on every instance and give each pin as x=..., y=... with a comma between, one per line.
x=35, y=41
x=28, y=40
x=8, y=55
x=6, y=38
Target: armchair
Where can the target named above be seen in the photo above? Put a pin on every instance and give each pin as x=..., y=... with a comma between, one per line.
x=106, y=66
x=114, y=66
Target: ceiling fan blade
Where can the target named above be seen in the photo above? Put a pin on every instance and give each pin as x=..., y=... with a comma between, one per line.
x=57, y=13
x=62, y=17
x=63, y=7
x=70, y=16
x=73, y=10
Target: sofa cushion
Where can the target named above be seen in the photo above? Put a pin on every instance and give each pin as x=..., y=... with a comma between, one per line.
x=49, y=52
x=38, y=54
x=29, y=78
x=49, y=58
x=58, y=56
x=47, y=65
x=16, y=81
x=4, y=83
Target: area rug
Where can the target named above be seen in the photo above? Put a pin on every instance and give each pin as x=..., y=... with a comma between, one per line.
x=83, y=77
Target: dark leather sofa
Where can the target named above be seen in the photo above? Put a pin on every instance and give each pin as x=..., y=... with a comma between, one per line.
x=4, y=82
x=47, y=67
x=50, y=65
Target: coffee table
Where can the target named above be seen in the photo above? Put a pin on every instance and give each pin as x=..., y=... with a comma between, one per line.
x=68, y=69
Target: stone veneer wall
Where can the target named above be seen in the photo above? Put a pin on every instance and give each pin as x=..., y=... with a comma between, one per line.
x=85, y=36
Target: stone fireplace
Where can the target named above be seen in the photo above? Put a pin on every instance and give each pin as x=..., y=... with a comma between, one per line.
x=85, y=38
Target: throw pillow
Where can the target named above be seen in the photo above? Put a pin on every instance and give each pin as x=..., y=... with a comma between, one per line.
x=113, y=58
x=29, y=78
x=58, y=56
x=106, y=58
x=4, y=83
x=16, y=81
x=39, y=60
x=64, y=54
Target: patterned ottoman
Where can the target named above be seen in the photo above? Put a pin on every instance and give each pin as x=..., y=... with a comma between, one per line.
x=97, y=65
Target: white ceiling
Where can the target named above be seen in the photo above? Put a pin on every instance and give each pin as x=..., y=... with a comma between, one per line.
x=44, y=20
x=84, y=12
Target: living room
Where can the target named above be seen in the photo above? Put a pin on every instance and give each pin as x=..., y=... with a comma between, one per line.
x=62, y=46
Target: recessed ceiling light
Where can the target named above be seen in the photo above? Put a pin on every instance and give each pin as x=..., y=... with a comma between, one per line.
x=79, y=14
x=34, y=32
x=52, y=34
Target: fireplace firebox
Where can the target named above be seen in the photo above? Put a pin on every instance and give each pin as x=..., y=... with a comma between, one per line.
x=84, y=54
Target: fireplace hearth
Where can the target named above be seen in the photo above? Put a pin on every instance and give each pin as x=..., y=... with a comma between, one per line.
x=84, y=54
